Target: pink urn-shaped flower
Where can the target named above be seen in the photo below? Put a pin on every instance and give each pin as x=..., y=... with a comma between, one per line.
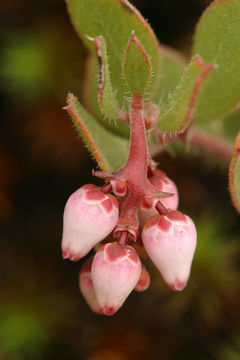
x=143, y=282
x=115, y=272
x=86, y=286
x=162, y=183
x=89, y=217
x=170, y=241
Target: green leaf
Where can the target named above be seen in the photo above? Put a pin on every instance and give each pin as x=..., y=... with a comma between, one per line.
x=176, y=114
x=172, y=69
x=89, y=90
x=107, y=101
x=231, y=125
x=136, y=66
x=234, y=175
x=217, y=41
x=109, y=150
x=90, y=99
x=115, y=20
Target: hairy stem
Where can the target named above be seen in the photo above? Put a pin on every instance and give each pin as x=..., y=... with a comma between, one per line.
x=138, y=154
x=135, y=169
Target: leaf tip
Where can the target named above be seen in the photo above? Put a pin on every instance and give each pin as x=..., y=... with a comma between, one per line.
x=90, y=38
x=200, y=62
x=127, y=6
x=70, y=99
x=137, y=67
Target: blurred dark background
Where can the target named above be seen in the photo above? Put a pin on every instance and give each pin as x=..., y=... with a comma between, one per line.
x=42, y=161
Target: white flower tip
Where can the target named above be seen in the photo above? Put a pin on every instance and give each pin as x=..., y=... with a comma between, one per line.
x=109, y=310
x=66, y=254
x=178, y=285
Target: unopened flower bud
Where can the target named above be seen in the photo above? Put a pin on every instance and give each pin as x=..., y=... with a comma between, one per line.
x=89, y=216
x=162, y=183
x=170, y=241
x=144, y=281
x=86, y=286
x=115, y=272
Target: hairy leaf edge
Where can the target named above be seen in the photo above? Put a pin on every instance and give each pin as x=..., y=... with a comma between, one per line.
x=234, y=191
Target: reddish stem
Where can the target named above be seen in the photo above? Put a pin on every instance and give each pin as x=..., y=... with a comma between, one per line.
x=161, y=208
x=135, y=170
x=122, y=238
x=138, y=153
x=107, y=188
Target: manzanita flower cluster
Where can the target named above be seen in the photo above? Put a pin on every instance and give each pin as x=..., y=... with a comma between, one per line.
x=137, y=206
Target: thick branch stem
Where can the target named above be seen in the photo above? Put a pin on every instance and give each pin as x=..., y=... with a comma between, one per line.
x=135, y=169
x=138, y=153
